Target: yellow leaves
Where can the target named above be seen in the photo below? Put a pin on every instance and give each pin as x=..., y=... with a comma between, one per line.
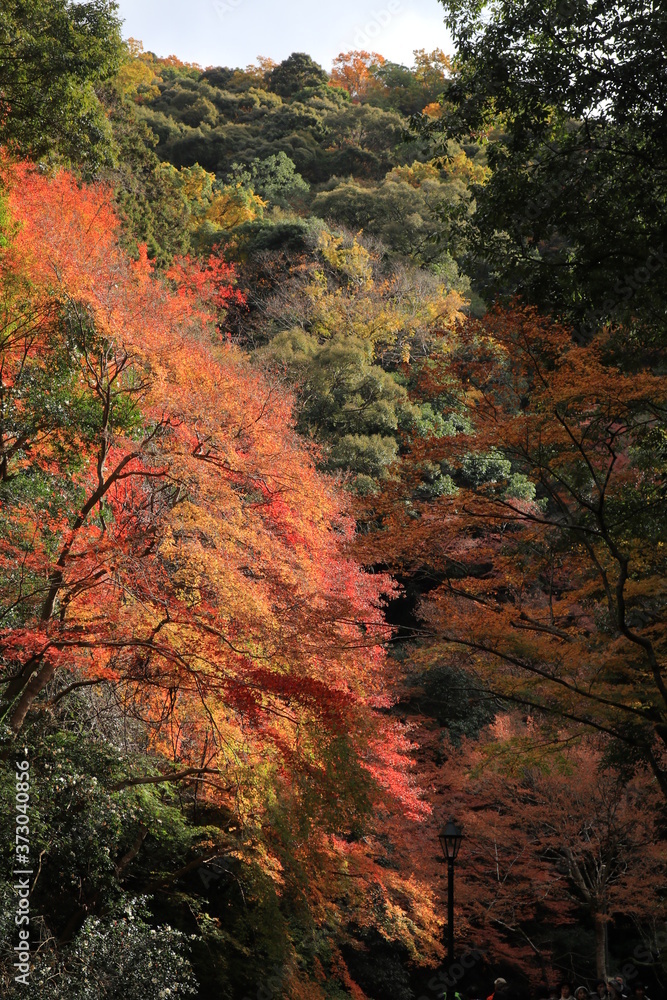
x=259, y=70
x=448, y=310
x=433, y=110
x=137, y=78
x=456, y=167
x=416, y=173
x=233, y=205
x=197, y=186
x=137, y=81
x=216, y=553
x=461, y=167
x=354, y=262
x=223, y=207
x=429, y=63
x=372, y=308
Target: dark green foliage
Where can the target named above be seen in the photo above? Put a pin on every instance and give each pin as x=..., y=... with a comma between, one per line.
x=253, y=238
x=407, y=219
x=223, y=117
x=296, y=73
x=121, y=957
x=347, y=403
x=494, y=467
x=52, y=55
x=274, y=179
x=574, y=96
x=318, y=130
x=450, y=696
x=405, y=92
x=83, y=839
x=126, y=912
x=289, y=143
x=150, y=204
x=224, y=78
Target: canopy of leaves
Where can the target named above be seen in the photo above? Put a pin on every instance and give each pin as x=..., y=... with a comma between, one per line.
x=297, y=72
x=550, y=549
x=274, y=178
x=167, y=542
x=369, y=78
x=340, y=328
x=570, y=97
x=53, y=53
x=265, y=298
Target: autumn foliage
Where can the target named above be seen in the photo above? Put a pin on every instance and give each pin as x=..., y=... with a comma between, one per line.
x=352, y=72
x=166, y=535
x=553, y=837
x=547, y=543
x=306, y=545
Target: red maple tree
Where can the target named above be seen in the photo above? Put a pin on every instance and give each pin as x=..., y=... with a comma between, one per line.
x=165, y=535
x=547, y=542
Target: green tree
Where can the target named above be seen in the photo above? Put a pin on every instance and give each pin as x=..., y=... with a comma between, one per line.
x=571, y=97
x=275, y=178
x=52, y=55
x=150, y=202
x=410, y=89
x=345, y=402
x=296, y=73
x=415, y=211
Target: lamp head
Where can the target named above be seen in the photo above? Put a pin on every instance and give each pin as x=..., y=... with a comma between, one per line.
x=450, y=838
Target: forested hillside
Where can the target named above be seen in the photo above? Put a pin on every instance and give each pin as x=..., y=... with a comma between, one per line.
x=333, y=423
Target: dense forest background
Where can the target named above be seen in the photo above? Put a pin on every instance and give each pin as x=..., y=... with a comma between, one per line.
x=332, y=503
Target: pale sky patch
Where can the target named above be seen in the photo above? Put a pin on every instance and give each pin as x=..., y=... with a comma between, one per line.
x=235, y=32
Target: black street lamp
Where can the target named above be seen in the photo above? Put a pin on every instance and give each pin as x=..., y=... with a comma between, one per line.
x=450, y=839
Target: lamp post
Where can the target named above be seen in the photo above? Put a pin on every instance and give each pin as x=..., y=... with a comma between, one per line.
x=450, y=839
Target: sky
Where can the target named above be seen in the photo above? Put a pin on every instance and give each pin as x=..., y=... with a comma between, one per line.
x=235, y=32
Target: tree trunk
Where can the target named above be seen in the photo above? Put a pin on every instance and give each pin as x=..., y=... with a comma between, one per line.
x=601, y=946
x=35, y=685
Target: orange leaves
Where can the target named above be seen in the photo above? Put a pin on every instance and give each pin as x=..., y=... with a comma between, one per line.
x=177, y=546
x=387, y=765
x=76, y=211
x=351, y=71
x=199, y=553
x=68, y=242
x=548, y=550
x=525, y=377
x=211, y=282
